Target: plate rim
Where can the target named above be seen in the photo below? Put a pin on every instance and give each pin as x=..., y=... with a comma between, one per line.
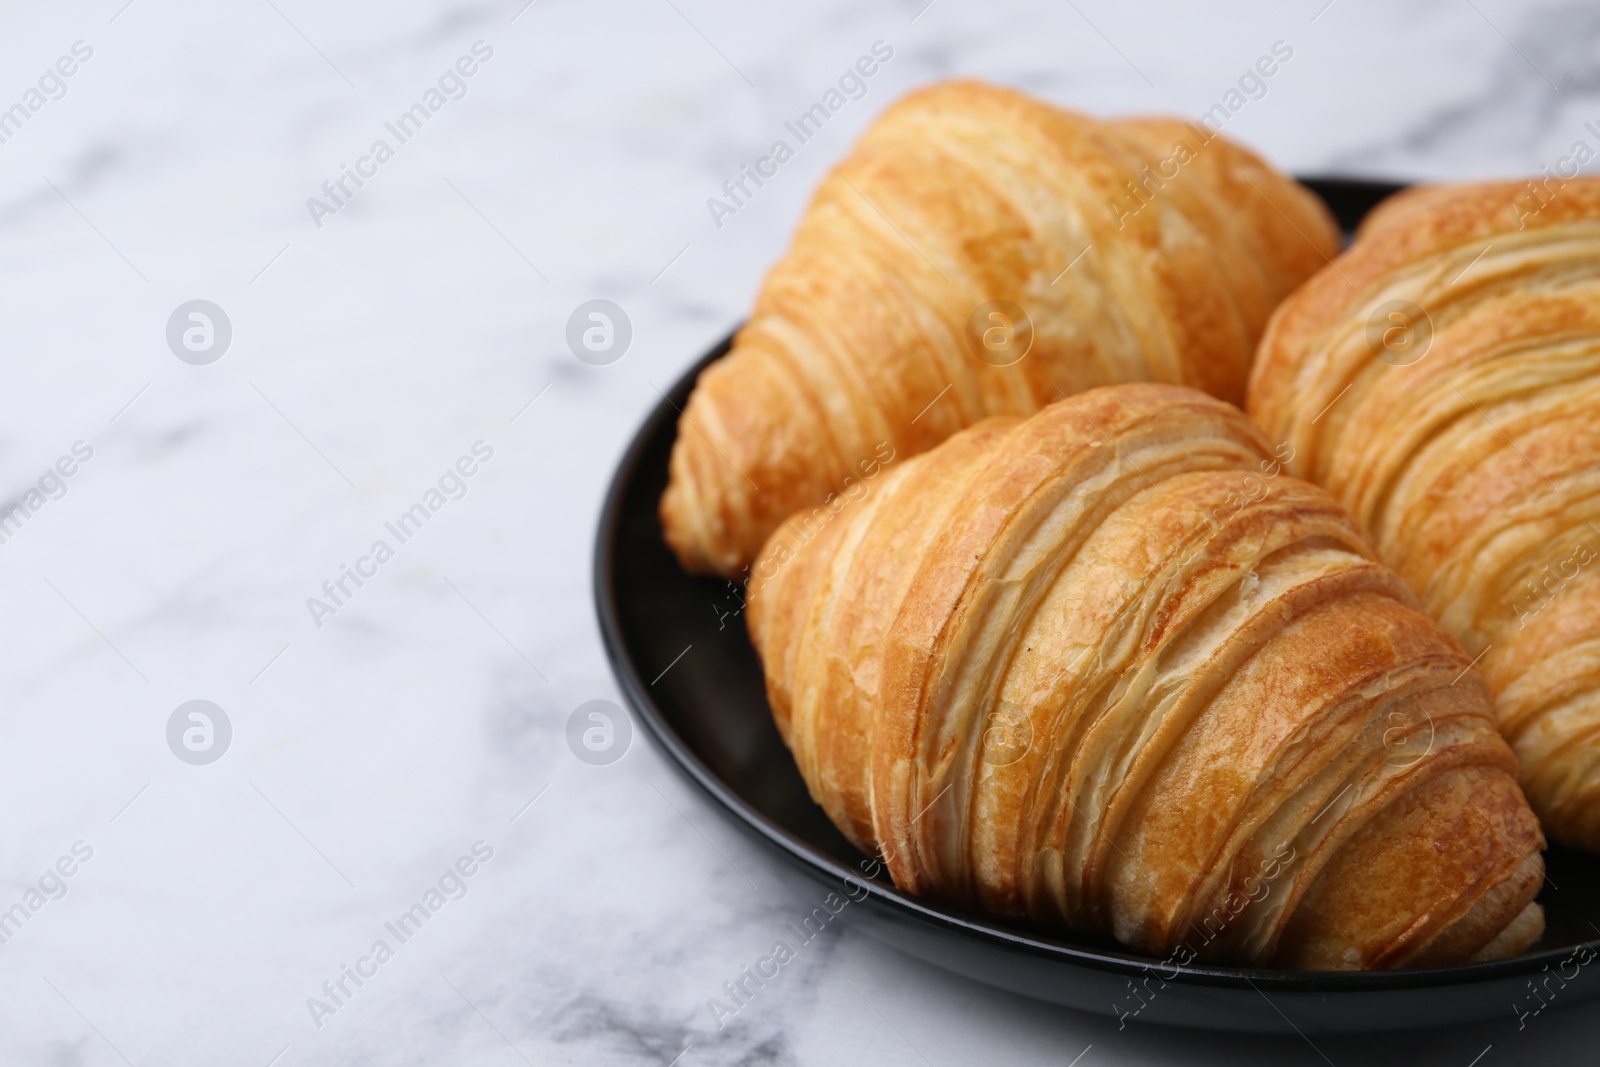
x=1000, y=936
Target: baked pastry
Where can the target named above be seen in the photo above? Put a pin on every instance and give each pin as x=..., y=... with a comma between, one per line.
x=1469, y=445
x=981, y=253
x=1107, y=669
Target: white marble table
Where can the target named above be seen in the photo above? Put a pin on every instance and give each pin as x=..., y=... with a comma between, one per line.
x=375, y=341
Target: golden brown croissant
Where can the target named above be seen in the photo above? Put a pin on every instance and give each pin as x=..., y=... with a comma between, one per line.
x=1469, y=445
x=1107, y=669
x=867, y=334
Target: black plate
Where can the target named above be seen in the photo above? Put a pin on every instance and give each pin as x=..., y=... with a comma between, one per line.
x=680, y=651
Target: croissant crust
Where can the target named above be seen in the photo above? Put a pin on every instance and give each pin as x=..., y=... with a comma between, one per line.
x=1136, y=250
x=1108, y=669
x=1473, y=453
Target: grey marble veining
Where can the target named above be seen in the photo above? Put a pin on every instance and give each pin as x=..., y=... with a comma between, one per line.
x=372, y=753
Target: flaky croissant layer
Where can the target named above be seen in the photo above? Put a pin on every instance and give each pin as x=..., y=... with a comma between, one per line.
x=1110, y=669
x=1442, y=379
x=981, y=253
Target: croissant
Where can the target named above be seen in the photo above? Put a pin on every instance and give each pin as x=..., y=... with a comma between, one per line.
x=1108, y=669
x=1442, y=379
x=981, y=253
